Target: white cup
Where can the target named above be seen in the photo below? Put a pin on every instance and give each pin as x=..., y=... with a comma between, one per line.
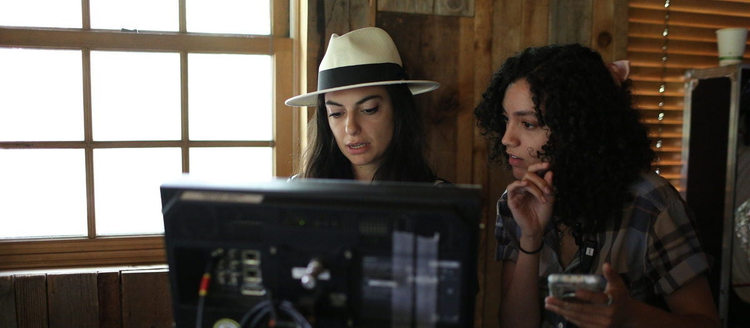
x=731, y=45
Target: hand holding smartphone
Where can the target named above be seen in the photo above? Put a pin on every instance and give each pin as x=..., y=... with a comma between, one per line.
x=564, y=286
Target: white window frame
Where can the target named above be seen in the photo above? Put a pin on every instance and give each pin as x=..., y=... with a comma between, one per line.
x=141, y=250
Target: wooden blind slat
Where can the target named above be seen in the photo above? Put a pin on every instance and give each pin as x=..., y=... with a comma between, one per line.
x=654, y=31
x=671, y=88
x=706, y=20
x=654, y=74
x=673, y=61
x=675, y=47
x=652, y=103
x=725, y=8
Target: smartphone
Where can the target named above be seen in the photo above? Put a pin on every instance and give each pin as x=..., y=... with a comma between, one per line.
x=564, y=286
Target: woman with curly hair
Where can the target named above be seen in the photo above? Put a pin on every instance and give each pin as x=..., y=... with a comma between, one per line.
x=585, y=199
x=366, y=126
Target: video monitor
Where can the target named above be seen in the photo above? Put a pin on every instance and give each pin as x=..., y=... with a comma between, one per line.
x=321, y=253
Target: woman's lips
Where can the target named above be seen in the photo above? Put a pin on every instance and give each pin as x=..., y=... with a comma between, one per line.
x=357, y=147
x=514, y=160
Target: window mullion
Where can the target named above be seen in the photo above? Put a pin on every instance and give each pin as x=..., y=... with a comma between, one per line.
x=88, y=138
x=184, y=107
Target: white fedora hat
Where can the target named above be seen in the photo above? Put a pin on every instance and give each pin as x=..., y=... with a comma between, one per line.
x=360, y=58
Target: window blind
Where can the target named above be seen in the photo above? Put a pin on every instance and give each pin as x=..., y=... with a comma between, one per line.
x=690, y=43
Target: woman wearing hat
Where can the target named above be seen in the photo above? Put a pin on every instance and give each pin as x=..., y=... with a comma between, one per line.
x=366, y=126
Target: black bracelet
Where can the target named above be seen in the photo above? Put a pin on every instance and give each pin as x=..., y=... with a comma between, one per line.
x=534, y=252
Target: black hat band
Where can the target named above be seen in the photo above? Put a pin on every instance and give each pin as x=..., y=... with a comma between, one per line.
x=358, y=74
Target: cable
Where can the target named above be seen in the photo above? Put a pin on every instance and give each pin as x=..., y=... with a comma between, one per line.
x=204, y=284
x=266, y=308
x=254, y=311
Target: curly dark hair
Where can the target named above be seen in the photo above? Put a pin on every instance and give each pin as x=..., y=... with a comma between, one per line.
x=404, y=159
x=597, y=144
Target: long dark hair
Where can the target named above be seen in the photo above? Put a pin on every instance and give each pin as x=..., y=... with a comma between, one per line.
x=404, y=160
x=597, y=146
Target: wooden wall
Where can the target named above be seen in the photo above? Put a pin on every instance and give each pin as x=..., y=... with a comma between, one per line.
x=460, y=43
x=78, y=298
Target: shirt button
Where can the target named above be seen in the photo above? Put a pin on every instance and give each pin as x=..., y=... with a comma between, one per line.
x=560, y=325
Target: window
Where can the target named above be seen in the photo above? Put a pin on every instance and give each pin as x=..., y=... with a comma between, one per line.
x=101, y=101
x=658, y=72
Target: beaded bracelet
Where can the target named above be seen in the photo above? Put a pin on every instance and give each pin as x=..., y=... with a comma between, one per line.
x=533, y=252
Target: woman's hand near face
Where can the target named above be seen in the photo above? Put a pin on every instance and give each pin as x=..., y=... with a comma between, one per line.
x=531, y=201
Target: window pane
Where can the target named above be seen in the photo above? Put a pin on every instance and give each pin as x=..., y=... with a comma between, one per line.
x=234, y=164
x=230, y=97
x=41, y=95
x=153, y=15
x=126, y=188
x=42, y=193
x=41, y=13
x=135, y=95
x=229, y=16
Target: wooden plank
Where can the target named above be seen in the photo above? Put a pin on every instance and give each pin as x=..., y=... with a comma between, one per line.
x=463, y=8
x=72, y=300
x=284, y=156
x=362, y=13
x=535, y=24
x=31, y=300
x=620, y=29
x=406, y=6
x=506, y=31
x=153, y=41
x=469, y=138
x=7, y=302
x=145, y=299
x=570, y=22
x=93, y=258
x=465, y=120
x=428, y=46
x=110, y=305
x=603, y=29
x=281, y=18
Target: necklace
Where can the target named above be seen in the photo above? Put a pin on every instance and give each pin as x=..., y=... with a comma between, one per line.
x=560, y=234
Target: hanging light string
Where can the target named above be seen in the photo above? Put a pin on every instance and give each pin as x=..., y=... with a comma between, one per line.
x=662, y=84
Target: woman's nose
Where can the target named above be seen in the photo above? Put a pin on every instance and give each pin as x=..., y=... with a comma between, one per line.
x=509, y=138
x=352, y=126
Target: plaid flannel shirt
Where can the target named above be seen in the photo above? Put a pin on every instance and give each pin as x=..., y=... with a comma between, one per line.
x=654, y=246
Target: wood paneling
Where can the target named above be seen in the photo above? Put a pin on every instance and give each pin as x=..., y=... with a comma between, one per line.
x=7, y=302
x=72, y=300
x=572, y=12
x=80, y=252
x=86, y=298
x=31, y=300
x=145, y=299
x=108, y=288
x=429, y=52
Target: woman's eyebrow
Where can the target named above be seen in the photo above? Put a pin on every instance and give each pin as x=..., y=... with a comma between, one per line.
x=524, y=113
x=368, y=98
x=333, y=103
x=521, y=113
